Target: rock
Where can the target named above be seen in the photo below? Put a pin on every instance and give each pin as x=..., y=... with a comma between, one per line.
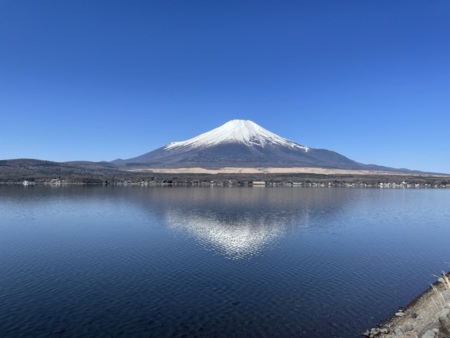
x=407, y=328
x=444, y=321
x=372, y=333
x=400, y=314
x=398, y=332
x=430, y=334
x=384, y=331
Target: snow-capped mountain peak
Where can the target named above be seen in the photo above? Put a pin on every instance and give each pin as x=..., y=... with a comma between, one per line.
x=237, y=131
x=242, y=144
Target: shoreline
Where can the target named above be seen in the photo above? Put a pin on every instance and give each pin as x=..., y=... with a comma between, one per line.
x=309, y=183
x=426, y=316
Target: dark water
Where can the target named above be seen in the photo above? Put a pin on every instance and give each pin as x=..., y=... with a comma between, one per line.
x=214, y=262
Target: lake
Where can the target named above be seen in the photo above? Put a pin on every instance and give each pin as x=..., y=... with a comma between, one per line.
x=214, y=262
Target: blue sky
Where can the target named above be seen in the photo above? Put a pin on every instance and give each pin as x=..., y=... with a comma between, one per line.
x=99, y=80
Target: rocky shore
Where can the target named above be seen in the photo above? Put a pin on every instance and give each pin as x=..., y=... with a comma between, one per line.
x=427, y=316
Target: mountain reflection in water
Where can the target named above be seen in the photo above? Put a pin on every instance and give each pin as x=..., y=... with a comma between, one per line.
x=234, y=237
x=241, y=223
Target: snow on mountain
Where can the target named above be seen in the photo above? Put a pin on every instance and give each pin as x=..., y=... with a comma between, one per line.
x=237, y=131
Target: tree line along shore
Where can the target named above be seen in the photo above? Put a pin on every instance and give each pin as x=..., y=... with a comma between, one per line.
x=266, y=180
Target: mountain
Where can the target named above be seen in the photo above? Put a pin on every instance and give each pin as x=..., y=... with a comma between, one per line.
x=242, y=143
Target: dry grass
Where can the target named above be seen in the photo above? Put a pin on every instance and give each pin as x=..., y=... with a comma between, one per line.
x=442, y=303
x=439, y=294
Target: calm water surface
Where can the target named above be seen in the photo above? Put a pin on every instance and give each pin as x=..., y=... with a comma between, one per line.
x=214, y=262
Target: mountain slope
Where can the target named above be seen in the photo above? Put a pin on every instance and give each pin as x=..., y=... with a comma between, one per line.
x=241, y=143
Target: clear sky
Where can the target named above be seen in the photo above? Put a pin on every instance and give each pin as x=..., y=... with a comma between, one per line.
x=100, y=80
